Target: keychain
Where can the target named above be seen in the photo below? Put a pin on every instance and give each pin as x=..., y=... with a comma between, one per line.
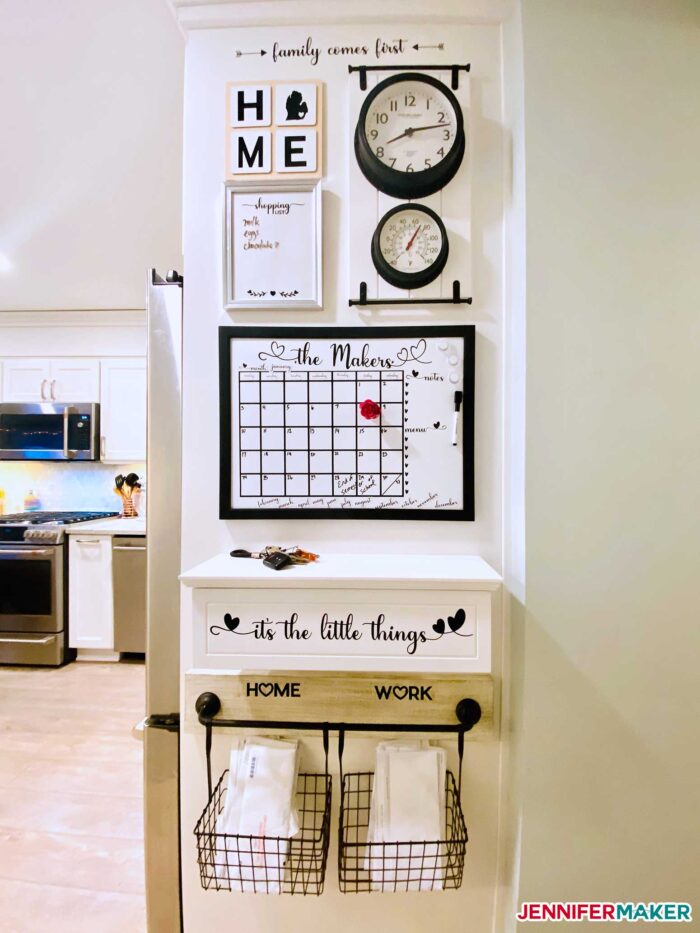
x=276, y=557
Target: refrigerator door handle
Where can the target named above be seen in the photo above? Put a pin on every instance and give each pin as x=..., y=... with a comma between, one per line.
x=169, y=722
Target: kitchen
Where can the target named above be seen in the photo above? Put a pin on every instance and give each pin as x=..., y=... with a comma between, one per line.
x=69, y=426
x=203, y=579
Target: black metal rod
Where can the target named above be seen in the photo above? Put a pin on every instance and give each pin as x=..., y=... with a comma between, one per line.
x=353, y=68
x=332, y=726
x=409, y=301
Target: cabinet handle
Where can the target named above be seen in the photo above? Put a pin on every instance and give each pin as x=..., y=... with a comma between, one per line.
x=102, y=447
x=43, y=389
x=119, y=547
x=53, y=390
x=90, y=541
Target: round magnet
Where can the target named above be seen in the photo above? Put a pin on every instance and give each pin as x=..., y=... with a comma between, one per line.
x=442, y=345
x=454, y=378
x=453, y=360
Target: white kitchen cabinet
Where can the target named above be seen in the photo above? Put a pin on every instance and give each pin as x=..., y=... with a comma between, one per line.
x=123, y=410
x=91, y=604
x=59, y=380
x=75, y=380
x=26, y=380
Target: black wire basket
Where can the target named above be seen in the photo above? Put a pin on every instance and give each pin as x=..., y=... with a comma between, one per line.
x=401, y=865
x=268, y=864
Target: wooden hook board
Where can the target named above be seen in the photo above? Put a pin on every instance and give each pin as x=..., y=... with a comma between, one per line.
x=350, y=697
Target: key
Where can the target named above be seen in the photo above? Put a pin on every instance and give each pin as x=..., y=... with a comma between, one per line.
x=277, y=560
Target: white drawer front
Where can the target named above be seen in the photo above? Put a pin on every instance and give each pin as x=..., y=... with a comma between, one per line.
x=419, y=630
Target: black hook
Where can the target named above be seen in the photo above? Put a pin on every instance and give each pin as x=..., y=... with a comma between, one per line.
x=468, y=713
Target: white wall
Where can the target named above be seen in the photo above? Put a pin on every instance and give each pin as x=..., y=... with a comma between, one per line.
x=610, y=693
x=90, y=161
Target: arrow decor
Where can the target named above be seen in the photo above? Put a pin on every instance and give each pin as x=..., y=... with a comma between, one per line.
x=440, y=45
x=261, y=53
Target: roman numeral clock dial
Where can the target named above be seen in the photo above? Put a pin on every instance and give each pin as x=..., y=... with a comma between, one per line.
x=409, y=139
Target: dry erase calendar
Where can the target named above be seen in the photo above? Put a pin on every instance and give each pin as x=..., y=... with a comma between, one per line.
x=347, y=422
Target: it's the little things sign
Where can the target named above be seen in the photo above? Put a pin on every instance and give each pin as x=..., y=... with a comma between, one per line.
x=339, y=629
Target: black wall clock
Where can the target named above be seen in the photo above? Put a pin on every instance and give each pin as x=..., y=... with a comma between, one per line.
x=410, y=246
x=409, y=139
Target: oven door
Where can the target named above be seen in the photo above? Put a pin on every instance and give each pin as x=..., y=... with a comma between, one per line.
x=31, y=588
x=41, y=431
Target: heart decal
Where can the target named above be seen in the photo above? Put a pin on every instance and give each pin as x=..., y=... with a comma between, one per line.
x=414, y=373
x=402, y=355
x=400, y=692
x=457, y=620
x=436, y=424
x=273, y=293
x=277, y=348
x=418, y=349
x=231, y=623
x=265, y=689
x=439, y=627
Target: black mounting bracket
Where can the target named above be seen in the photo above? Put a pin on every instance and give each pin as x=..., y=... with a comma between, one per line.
x=456, y=298
x=453, y=69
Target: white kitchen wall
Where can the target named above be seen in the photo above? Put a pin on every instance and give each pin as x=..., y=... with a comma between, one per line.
x=74, y=486
x=90, y=162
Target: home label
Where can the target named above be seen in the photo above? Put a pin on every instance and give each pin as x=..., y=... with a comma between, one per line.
x=273, y=129
x=265, y=689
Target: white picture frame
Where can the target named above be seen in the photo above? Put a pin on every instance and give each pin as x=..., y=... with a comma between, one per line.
x=272, y=253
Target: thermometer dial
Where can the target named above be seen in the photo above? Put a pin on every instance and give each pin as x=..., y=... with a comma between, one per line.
x=409, y=246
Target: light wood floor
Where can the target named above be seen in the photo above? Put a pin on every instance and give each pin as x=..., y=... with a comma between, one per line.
x=71, y=796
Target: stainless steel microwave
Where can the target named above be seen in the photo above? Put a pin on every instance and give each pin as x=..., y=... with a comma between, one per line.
x=49, y=431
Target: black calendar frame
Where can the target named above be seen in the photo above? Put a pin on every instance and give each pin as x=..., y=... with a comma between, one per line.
x=227, y=334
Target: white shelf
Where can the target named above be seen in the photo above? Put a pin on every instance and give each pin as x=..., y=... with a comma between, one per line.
x=380, y=571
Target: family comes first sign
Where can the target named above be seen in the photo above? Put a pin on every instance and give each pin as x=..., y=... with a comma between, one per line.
x=274, y=130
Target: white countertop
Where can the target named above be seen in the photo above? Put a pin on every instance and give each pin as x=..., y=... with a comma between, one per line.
x=109, y=526
x=420, y=571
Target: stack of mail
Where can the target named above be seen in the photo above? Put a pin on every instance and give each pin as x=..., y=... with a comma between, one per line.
x=259, y=802
x=407, y=815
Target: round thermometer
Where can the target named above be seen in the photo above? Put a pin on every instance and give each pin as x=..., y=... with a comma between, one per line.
x=409, y=246
x=409, y=139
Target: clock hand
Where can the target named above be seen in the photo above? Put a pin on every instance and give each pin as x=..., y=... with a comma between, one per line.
x=415, y=129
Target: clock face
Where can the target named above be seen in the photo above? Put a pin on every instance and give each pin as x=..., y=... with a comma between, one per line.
x=411, y=126
x=409, y=139
x=410, y=247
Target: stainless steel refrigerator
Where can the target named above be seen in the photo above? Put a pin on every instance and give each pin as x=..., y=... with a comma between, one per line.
x=161, y=736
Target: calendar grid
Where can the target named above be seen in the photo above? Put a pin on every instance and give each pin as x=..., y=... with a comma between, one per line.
x=298, y=437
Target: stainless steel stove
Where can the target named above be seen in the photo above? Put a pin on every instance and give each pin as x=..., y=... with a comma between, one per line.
x=34, y=586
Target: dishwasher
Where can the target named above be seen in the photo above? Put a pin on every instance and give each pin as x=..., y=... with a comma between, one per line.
x=129, y=579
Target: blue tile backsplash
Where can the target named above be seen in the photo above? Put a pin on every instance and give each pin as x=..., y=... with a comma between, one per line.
x=74, y=486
